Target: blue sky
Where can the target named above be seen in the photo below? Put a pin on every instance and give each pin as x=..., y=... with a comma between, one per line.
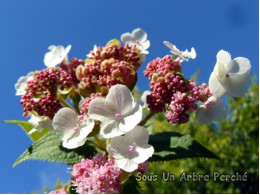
x=27, y=28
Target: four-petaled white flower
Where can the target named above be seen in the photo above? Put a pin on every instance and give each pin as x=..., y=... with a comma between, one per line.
x=181, y=55
x=229, y=75
x=21, y=84
x=137, y=38
x=131, y=149
x=118, y=112
x=212, y=109
x=56, y=55
x=73, y=128
x=144, y=98
x=40, y=123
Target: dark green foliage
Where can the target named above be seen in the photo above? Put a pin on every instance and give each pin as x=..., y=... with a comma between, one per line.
x=49, y=148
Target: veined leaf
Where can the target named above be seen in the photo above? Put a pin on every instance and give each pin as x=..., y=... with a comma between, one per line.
x=27, y=127
x=49, y=148
x=172, y=146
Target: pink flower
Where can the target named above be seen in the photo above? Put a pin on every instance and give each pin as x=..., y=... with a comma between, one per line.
x=59, y=191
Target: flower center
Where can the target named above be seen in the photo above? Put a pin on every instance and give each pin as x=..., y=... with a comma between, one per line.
x=131, y=148
x=227, y=75
x=207, y=103
x=118, y=116
x=76, y=128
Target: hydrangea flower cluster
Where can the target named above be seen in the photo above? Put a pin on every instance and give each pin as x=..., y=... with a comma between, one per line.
x=100, y=90
x=96, y=176
x=41, y=92
x=171, y=91
x=111, y=64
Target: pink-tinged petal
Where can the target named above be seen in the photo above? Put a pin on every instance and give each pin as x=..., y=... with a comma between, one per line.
x=223, y=57
x=236, y=85
x=98, y=110
x=215, y=86
x=129, y=121
x=121, y=98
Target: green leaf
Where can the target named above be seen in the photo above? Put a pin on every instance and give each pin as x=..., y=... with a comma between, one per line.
x=172, y=146
x=132, y=186
x=27, y=127
x=49, y=148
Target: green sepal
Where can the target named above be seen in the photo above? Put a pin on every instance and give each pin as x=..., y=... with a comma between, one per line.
x=49, y=148
x=114, y=42
x=27, y=127
x=173, y=146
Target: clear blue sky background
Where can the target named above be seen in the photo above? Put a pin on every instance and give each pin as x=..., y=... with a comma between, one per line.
x=27, y=28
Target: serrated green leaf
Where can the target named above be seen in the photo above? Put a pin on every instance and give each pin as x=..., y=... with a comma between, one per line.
x=27, y=127
x=49, y=148
x=172, y=146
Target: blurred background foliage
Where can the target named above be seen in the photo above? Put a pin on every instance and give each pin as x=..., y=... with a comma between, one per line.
x=234, y=139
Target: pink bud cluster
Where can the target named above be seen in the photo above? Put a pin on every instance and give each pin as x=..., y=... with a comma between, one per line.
x=41, y=91
x=107, y=66
x=71, y=67
x=171, y=92
x=96, y=176
x=85, y=105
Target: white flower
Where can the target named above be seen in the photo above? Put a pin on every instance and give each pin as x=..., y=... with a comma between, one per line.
x=56, y=55
x=73, y=128
x=21, y=84
x=40, y=123
x=229, y=75
x=211, y=110
x=138, y=38
x=144, y=98
x=118, y=112
x=131, y=149
x=94, y=50
x=181, y=55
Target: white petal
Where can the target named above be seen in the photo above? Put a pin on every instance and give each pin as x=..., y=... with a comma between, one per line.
x=236, y=85
x=67, y=50
x=139, y=35
x=146, y=45
x=129, y=121
x=21, y=84
x=244, y=66
x=126, y=164
x=139, y=135
x=40, y=123
x=127, y=37
x=56, y=55
x=65, y=120
x=215, y=110
x=109, y=130
x=144, y=98
x=98, y=110
x=78, y=138
x=216, y=89
x=118, y=147
x=193, y=53
x=223, y=57
x=145, y=152
x=172, y=47
x=121, y=98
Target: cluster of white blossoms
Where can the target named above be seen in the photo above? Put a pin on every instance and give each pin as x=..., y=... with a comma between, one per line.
x=119, y=115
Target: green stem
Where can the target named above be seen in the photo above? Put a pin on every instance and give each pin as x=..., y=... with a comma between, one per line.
x=99, y=143
x=64, y=103
x=146, y=118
